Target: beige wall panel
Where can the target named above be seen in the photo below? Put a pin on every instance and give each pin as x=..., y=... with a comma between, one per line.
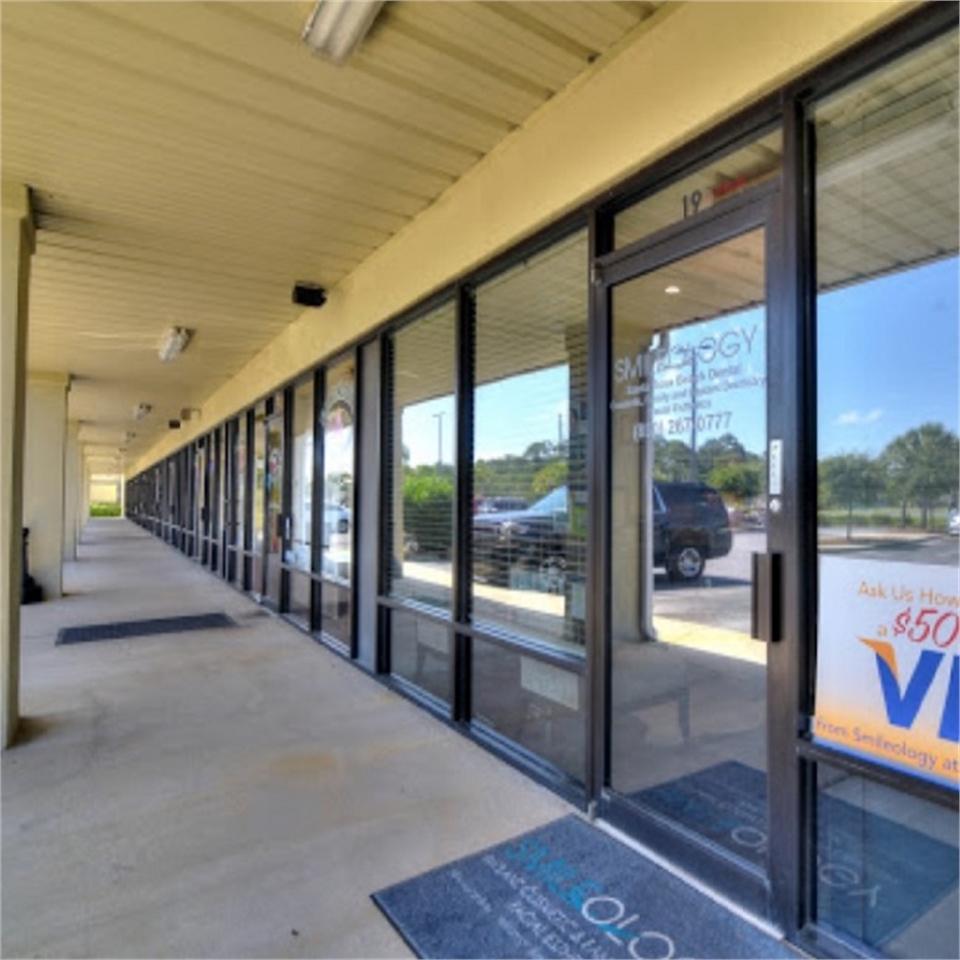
x=43, y=478
x=17, y=249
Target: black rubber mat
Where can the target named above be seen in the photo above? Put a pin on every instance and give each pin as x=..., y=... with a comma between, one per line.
x=142, y=628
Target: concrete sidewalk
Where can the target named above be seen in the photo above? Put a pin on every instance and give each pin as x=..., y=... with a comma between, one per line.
x=235, y=792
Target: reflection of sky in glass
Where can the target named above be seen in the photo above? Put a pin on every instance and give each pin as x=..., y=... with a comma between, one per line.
x=510, y=415
x=729, y=355
x=338, y=450
x=887, y=358
x=425, y=428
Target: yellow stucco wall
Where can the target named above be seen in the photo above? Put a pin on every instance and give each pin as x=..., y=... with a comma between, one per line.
x=680, y=73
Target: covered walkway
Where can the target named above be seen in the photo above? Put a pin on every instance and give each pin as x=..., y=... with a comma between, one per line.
x=234, y=792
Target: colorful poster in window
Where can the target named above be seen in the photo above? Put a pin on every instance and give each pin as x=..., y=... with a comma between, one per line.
x=888, y=671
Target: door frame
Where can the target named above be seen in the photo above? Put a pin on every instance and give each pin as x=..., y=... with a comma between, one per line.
x=774, y=895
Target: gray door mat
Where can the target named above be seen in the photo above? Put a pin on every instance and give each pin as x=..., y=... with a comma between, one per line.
x=142, y=628
x=565, y=890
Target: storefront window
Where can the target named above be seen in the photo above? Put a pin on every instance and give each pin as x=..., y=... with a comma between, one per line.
x=887, y=677
x=422, y=455
x=536, y=704
x=301, y=503
x=259, y=504
x=886, y=867
x=239, y=492
x=336, y=559
x=422, y=442
x=530, y=441
x=173, y=532
x=530, y=502
x=421, y=653
x=709, y=186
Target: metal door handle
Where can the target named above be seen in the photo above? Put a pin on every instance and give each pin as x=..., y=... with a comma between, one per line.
x=766, y=598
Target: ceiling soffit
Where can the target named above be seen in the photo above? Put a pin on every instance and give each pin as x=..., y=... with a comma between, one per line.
x=190, y=161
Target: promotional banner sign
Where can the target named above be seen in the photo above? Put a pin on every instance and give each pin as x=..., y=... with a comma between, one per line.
x=888, y=671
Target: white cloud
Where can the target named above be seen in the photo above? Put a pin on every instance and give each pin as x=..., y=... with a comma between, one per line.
x=854, y=418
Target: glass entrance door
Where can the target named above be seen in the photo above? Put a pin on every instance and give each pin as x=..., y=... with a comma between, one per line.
x=275, y=519
x=687, y=750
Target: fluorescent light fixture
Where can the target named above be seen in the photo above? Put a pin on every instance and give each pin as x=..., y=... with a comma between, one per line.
x=672, y=289
x=141, y=410
x=174, y=340
x=336, y=27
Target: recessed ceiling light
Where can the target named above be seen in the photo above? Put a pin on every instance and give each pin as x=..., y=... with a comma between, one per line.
x=672, y=289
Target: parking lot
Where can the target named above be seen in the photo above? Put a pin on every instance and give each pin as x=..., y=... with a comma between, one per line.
x=721, y=598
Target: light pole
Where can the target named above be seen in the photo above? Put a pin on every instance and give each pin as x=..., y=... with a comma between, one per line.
x=693, y=416
x=439, y=418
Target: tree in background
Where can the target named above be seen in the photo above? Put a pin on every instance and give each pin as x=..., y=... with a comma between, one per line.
x=848, y=480
x=921, y=467
x=720, y=452
x=549, y=477
x=738, y=481
x=428, y=507
x=671, y=460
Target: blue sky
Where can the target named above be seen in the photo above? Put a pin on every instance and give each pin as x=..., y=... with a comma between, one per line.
x=887, y=358
x=511, y=414
x=731, y=395
x=887, y=361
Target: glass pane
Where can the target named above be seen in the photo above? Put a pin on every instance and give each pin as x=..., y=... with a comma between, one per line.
x=886, y=867
x=274, y=506
x=338, y=465
x=335, y=616
x=887, y=416
x=200, y=499
x=300, y=598
x=688, y=428
x=172, y=495
x=536, y=704
x=420, y=651
x=240, y=481
x=259, y=507
x=718, y=181
x=530, y=439
x=301, y=512
x=422, y=451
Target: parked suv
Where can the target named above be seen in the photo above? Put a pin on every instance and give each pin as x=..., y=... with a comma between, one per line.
x=534, y=537
x=690, y=527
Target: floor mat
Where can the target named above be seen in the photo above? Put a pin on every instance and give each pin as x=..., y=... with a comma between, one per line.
x=876, y=876
x=142, y=628
x=565, y=890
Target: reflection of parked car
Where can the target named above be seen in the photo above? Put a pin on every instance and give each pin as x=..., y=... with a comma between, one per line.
x=690, y=527
x=953, y=522
x=499, y=504
x=336, y=519
x=535, y=536
x=410, y=545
